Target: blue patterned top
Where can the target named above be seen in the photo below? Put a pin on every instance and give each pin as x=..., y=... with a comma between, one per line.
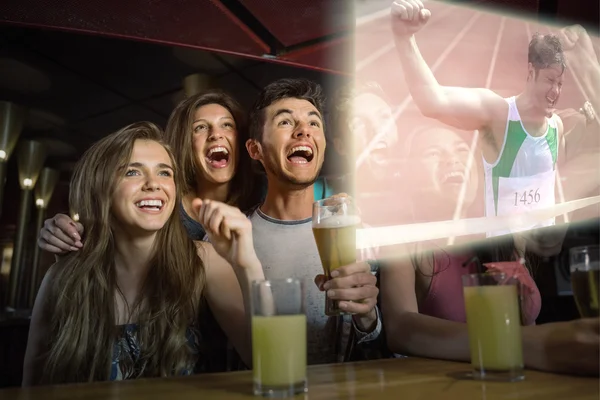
x=127, y=347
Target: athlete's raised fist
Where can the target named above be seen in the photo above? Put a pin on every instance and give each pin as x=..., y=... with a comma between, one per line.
x=578, y=46
x=570, y=35
x=408, y=16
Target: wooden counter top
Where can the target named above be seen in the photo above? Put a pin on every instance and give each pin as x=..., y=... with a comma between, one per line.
x=405, y=379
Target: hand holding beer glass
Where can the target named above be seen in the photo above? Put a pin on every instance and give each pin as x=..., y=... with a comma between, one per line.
x=335, y=221
x=585, y=276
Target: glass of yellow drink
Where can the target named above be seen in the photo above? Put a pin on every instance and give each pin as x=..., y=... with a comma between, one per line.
x=335, y=221
x=278, y=338
x=585, y=276
x=494, y=324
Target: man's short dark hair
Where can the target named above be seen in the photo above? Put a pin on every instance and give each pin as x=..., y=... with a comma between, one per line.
x=296, y=88
x=545, y=51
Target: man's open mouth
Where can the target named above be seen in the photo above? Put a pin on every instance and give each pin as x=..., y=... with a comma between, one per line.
x=300, y=155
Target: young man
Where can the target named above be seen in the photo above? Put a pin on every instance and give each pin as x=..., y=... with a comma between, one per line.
x=521, y=136
x=287, y=137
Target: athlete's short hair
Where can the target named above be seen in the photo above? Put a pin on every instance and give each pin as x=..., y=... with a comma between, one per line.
x=544, y=51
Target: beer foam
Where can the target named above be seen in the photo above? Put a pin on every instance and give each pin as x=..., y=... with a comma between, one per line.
x=338, y=221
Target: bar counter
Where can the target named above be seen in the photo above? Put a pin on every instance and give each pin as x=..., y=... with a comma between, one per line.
x=406, y=379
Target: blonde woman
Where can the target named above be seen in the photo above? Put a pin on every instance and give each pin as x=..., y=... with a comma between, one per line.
x=126, y=305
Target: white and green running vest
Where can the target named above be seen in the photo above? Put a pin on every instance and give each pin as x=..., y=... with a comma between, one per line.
x=523, y=177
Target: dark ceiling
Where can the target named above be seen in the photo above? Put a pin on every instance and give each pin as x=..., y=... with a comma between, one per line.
x=295, y=32
x=85, y=69
x=79, y=88
x=77, y=69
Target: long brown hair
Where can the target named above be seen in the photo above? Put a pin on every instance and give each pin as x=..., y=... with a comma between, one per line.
x=244, y=192
x=84, y=287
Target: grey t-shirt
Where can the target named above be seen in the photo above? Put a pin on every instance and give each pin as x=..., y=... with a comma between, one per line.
x=287, y=249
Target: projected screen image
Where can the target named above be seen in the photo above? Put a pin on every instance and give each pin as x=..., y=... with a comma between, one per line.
x=470, y=124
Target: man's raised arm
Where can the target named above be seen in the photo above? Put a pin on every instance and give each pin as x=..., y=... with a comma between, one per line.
x=463, y=108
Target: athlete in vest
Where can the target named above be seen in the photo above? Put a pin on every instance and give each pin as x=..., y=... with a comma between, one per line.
x=521, y=136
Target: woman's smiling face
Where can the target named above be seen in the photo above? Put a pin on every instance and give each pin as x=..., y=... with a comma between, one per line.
x=215, y=142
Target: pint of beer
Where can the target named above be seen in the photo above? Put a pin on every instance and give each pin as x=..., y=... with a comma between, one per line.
x=335, y=221
x=585, y=279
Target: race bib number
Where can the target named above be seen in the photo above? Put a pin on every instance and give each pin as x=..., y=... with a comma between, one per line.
x=521, y=195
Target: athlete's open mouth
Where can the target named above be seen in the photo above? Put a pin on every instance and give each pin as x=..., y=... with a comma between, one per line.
x=454, y=177
x=380, y=153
